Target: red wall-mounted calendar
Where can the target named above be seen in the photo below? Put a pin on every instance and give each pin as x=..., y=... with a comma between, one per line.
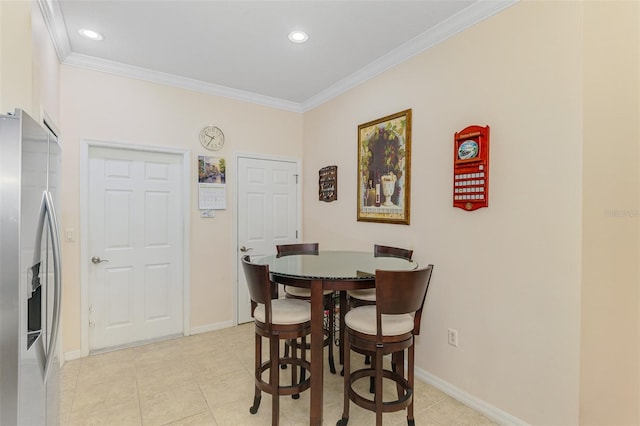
x=471, y=168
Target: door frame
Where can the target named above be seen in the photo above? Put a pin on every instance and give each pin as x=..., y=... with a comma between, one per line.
x=85, y=145
x=237, y=156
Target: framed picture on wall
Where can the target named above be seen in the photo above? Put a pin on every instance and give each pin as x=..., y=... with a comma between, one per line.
x=384, y=169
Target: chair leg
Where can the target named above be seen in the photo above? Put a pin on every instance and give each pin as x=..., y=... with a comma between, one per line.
x=294, y=371
x=397, y=366
x=332, y=315
x=258, y=361
x=378, y=390
x=410, y=378
x=274, y=379
x=303, y=353
x=344, y=307
x=347, y=374
x=372, y=386
x=256, y=402
x=372, y=382
x=287, y=343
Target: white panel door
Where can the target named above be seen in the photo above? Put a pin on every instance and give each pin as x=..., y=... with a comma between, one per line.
x=135, y=242
x=267, y=214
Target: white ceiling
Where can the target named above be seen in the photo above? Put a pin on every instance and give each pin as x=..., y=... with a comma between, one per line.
x=240, y=49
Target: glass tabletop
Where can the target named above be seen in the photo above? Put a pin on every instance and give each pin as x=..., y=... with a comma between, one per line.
x=334, y=265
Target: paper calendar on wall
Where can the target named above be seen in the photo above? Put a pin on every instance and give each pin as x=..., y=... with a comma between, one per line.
x=212, y=191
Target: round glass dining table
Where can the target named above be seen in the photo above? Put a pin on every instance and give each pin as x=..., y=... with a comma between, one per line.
x=333, y=270
x=333, y=265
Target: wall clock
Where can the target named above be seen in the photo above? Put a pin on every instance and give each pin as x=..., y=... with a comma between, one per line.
x=211, y=137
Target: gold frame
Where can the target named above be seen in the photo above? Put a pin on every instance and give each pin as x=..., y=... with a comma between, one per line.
x=384, y=169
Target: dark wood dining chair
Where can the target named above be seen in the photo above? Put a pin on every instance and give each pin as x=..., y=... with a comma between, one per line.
x=367, y=296
x=388, y=251
x=276, y=319
x=305, y=294
x=388, y=327
x=298, y=248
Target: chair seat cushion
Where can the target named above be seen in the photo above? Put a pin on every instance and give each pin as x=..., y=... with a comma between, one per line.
x=363, y=319
x=302, y=292
x=285, y=311
x=368, y=294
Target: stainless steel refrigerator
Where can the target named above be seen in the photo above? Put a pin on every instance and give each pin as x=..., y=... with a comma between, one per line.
x=30, y=272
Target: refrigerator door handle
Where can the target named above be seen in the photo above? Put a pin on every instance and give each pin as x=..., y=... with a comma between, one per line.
x=48, y=211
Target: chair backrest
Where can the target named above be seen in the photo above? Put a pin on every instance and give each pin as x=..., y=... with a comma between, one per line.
x=402, y=292
x=302, y=248
x=260, y=288
x=387, y=251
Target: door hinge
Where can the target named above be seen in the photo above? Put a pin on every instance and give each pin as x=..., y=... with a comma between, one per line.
x=296, y=178
x=296, y=234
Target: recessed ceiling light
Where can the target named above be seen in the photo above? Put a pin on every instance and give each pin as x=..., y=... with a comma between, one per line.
x=298, y=36
x=90, y=34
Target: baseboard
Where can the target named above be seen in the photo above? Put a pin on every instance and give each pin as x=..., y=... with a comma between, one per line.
x=494, y=413
x=211, y=327
x=71, y=355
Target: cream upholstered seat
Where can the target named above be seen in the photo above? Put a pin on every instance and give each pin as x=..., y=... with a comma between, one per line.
x=284, y=311
x=363, y=294
x=302, y=292
x=363, y=320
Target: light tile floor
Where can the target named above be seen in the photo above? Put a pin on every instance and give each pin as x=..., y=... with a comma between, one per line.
x=207, y=379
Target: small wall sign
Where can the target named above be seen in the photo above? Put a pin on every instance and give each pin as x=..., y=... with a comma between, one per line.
x=328, y=183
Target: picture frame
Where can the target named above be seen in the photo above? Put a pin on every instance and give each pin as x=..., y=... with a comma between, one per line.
x=384, y=169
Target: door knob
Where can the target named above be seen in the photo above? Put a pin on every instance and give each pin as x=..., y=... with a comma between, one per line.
x=244, y=249
x=96, y=260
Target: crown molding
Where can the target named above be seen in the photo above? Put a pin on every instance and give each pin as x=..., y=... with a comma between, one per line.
x=117, y=68
x=464, y=19
x=457, y=23
x=54, y=21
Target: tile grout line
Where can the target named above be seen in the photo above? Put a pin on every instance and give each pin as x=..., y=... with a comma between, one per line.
x=206, y=401
x=73, y=397
x=135, y=373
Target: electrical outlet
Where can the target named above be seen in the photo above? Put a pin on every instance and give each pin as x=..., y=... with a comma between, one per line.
x=69, y=235
x=453, y=337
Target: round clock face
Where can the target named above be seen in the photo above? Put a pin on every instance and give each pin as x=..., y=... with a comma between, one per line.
x=468, y=149
x=211, y=137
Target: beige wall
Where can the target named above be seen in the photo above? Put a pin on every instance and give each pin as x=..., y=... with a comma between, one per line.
x=16, y=57
x=555, y=256
x=104, y=107
x=508, y=277
x=610, y=355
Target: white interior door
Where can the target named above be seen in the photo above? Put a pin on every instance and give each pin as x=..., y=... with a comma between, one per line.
x=135, y=245
x=267, y=214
